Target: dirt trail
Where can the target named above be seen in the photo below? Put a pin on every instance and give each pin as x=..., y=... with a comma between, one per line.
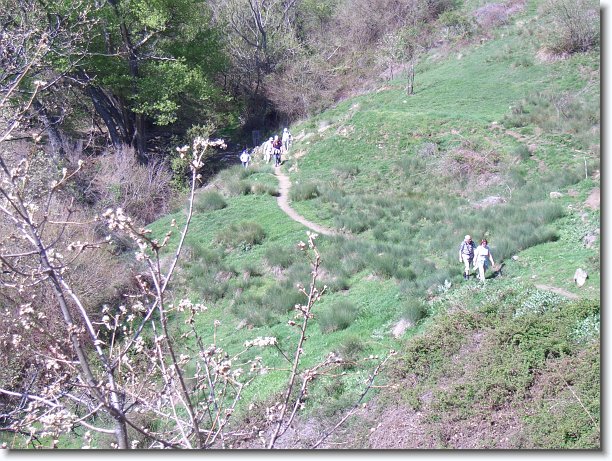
x=559, y=291
x=284, y=184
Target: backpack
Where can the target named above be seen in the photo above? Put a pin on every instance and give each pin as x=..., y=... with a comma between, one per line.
x=467, y=248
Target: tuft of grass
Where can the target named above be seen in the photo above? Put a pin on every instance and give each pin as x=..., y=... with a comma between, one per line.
x=280, y=256
x=413, y=310
x=242, y=235
x=337, y=317
x=208, y=201
x=304, y=191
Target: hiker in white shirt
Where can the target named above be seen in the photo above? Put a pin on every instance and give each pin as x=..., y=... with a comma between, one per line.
x=482, y=257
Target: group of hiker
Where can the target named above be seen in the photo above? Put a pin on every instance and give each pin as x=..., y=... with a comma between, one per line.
x=478, y=257
x=273, y=149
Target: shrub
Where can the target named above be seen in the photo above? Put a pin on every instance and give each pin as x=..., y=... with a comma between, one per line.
x=143, y=191
x=280, y=256
x=304, y=191
x=351, y=347
x=338, y=317
x=282, y=297
x=491, y=15
x=346, y=171
x=245, y=235
x=355, y=222
x=575, y=25
x=250, y=308
x=413, y=310
x=261, y=189
x=521, y=152
x=208, y=201
x=538, y=302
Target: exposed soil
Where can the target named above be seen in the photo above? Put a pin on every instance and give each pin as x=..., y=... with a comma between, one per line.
x=593, y=200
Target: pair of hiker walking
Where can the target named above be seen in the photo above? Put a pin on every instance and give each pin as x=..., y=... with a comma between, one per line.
x=276, y=146
x=477, y=256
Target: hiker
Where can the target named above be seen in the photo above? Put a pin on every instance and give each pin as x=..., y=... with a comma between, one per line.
x=482, y=256
x=466, y=255
x=245, y=157
x=276, y=146
x=267, y=148
x=287, y=138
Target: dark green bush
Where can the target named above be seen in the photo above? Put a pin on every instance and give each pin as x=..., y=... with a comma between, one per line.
x=282, y=298
x=280, y=256
x=413, y=310
x=251, y=309
x=338, y=316
x=304, y=191
x=243, y=235
x=209, y=200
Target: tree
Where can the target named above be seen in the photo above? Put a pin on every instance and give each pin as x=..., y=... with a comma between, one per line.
x=146, y=60
x=260, y=39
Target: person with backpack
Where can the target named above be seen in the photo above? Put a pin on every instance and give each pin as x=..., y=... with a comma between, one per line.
x=277, y=144
x=245, y=157
x=286, y=139
x=482, y=257
x=466, y=255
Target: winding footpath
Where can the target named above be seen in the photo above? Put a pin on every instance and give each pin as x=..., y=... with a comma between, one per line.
x=284, y=184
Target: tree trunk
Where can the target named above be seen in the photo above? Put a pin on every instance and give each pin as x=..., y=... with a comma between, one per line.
x=410, y=84
x=110, y=115
x=56, y=142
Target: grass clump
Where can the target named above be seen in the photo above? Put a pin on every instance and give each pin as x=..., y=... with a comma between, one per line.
x=242, y=235
x=304, y=191
x=413, y=310
x=209, y=201
x=280, y=256
x=339, y=316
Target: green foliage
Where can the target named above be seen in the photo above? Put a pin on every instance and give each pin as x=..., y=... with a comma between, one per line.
x=208, y=201
x=243, y=235
x=280, y=256
x=413, y=310
x=337, y=317
x=305, y=191
x=539, y=302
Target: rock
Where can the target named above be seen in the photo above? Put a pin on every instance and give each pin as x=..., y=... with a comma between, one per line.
x=556, y=195
x=400, y=328
x=580, y=277
x=589, y=240
x=515, y=258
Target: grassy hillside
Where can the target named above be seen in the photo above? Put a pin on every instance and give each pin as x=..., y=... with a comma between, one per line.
x=491, y=131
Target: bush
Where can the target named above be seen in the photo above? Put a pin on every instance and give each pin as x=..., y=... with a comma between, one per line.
x=251, y=309
x=351, y=347
x=413, y=310
x=280, y=256
x=346, y=171
x=244, y=235
x=575, y=25
x=143, y=191
x=208, y=201
x=282, y=298
x=261, y=189
x=338, y=317
x=521, y=152
x=304, y=191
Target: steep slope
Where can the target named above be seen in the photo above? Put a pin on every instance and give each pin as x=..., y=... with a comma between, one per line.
x=495, y=142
